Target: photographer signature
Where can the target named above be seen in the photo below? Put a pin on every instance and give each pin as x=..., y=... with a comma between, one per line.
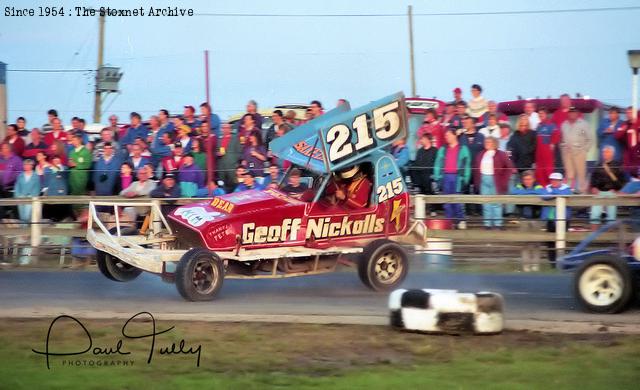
x=118, y=348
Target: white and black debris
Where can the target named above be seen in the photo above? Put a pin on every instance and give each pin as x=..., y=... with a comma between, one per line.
x=446, y=311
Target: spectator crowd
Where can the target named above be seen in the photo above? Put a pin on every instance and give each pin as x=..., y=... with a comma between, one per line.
x=188, y=155
x=470, y=148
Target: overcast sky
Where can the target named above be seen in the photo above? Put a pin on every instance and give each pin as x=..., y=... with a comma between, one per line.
x=297, y=59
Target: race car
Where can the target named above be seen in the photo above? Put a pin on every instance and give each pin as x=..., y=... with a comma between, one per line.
x=606, y=280
x=352, y=209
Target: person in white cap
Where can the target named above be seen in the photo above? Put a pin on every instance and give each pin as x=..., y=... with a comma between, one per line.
x=556, y=187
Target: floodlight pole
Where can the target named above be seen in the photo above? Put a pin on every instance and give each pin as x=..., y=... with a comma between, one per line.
x=97, y=105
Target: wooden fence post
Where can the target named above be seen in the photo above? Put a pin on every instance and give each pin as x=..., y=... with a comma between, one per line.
x=156, y=223
x=420, y=209
x=561, y=225
x=36, y=222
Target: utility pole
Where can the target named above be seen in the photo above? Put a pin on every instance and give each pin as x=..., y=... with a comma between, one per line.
x=206, y=74
x=413, y=68
x=97, y=105
x=209, y=146
x=3, y=100
x=634, y=61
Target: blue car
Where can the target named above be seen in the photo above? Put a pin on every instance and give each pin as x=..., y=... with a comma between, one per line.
x=606, y=280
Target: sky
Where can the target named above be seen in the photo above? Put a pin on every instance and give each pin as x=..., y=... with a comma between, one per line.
x=287, y=59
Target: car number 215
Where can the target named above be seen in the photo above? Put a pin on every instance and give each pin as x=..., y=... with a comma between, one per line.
x=390, y=190
x=386, y=125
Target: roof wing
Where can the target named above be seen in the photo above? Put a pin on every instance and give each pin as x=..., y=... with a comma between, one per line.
x=301, y=145
x=342, y=136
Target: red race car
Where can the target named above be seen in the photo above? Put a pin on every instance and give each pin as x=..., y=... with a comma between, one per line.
x=343, y=200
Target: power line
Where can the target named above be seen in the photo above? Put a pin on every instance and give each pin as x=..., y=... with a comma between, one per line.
x=395, y=15
x=524, y=12
x=109, y=105
x=63, y=80
x=52, y=70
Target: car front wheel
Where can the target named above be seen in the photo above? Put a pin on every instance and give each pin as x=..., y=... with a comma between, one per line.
x=604, y=284
x=199, y=275
x=383, y=265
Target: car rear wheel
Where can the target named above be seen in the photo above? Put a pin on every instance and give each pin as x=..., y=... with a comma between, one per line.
x=101, y=260
x=116, y=269
x=199, y=275
x=383, y=265
x=604, y=284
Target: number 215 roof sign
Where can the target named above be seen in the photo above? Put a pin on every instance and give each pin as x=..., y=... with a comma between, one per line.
x=342, y=136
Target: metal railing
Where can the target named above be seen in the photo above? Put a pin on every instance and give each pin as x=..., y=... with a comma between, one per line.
x=560, y=202
x=36, y=229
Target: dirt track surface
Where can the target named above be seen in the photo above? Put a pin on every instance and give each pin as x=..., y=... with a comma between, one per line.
x=539, y=302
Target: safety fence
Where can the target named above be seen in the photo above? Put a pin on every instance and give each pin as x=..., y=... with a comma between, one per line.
x=561, y=235
x=469, y=240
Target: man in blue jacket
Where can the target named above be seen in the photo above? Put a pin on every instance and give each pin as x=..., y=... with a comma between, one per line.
x=249, y=183
x=608, y=132
x=528, y=186
x=161, y=147
x=400, y=153
x=106, y=171
x=530, y=250
x=135, y=131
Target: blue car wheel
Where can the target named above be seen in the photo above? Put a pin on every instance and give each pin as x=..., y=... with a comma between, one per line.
x=604, y=284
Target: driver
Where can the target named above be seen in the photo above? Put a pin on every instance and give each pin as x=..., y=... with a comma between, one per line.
x=354, y=188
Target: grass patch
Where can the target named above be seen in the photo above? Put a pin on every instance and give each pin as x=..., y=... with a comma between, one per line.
x=296, y=356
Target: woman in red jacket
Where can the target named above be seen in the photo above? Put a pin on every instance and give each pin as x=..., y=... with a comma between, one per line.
x=491, y=172
x=57, y=149
x=14, y=140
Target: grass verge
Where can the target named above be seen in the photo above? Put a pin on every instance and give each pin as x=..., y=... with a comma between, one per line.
x=298, y=356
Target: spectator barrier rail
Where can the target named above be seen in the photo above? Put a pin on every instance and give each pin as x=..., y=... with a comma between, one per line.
x=561, y=235
x=37, y=227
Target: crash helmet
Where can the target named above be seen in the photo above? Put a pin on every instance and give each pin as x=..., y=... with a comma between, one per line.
x=350, y=172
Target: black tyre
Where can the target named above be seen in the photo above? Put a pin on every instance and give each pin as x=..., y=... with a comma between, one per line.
x=116, y=269
x=199, y=275
x=383, y=265
x=101, y=260
x=604, y=284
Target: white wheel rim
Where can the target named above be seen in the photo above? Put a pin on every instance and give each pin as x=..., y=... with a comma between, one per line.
x=388, y=267
x=600, y=285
